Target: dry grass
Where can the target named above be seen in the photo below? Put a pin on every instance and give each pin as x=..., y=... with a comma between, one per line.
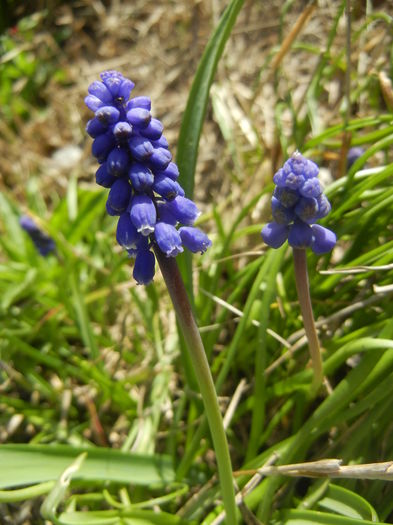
x=158, y=45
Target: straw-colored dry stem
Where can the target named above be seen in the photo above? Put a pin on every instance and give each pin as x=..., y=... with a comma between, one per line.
x=288, y=41
x=327, y=468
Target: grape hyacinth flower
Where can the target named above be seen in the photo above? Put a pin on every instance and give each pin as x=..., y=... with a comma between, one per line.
x=353, y=155
x=43, y=243
x=156, y=221
x=297, y=204
x=137, y=168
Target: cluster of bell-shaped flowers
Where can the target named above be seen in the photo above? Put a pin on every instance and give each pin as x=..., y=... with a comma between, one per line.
x=297, y=204
x=136, y=164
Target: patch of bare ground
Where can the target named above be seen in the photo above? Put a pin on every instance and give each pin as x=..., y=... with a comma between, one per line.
x=158, y=45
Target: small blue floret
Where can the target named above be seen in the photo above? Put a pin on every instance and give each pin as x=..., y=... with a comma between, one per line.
x=119, y=195
x=141, y=177
x=300, y=235
x=323, y=240
x=144, y=267
x=126, y=233
x=275, y=234
x=168, y=239
x=143, y=214
x=118, y=162
x=194, y=239
x=184, y=210
x=103, y=178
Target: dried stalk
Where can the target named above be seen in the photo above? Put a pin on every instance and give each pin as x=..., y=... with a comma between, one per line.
x=327, y=468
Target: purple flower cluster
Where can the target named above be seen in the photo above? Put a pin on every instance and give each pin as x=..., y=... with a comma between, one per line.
x=298, y=203
x=136, y=164
x=44, y=244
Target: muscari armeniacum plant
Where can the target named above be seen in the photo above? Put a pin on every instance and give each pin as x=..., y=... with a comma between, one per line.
x=155, y=222
x=298, y=202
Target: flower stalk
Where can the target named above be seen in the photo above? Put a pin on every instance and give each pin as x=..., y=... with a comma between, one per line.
x=303, y=292
x=185, y=317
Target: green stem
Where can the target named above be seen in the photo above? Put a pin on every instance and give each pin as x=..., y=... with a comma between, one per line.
x=303, y=292
x=186, y=320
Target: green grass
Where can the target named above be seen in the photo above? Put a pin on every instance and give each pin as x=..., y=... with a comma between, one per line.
x=90, y=362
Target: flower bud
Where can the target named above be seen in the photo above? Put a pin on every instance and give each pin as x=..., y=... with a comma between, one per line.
x=139, y=102
x=119, y=195
x=141, y=148
x=102, y=145
x=99, y=90
x=139, y=117
x=140, y=176
x=153, y=130
x=167, y=188
x=171, y=171
x=184, y=210
x=126, y=233
x=300, y=235
x=103, y=178
x=122, y=131
x=94, y=128
x=144, y=267
x=168, y=239
x=274, y=234
x=323, y=239
x=93, y=103
x=194, y=239
x=107, y=115
x=143, y=214
x=160, y=159
x=118, y=162
x=160, y=143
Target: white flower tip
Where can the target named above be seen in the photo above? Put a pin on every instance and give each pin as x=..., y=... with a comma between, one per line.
x=146, y=230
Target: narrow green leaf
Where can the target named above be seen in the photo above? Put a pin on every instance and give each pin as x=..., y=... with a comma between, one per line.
x=11, y=496
x=19, y=289
x=12, y=235
x=90, y=207
x=119, y=517
x=195, y=111
x=31, y=464
x=312, y=517
x=82, y=317
x=343, y=501
x=58, y=492
x=271, y=266
x=194, y=114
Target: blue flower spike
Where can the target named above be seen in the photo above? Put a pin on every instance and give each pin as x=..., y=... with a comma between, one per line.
x=137, y=168
x=297, y=204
